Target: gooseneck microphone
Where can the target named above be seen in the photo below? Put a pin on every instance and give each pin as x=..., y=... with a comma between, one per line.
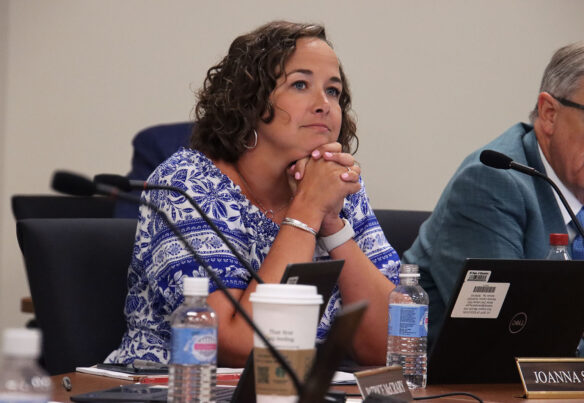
x=125, y=184
x=498, y=160
x=73, y=184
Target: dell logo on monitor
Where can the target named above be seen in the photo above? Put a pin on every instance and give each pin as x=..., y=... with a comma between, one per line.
x=518, y=322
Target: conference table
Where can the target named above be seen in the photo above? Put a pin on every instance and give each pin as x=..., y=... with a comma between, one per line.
x=82, y=383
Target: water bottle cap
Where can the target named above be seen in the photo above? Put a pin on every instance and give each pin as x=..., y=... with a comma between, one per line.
x=409, y=270
x=559, y=239
x=22, y=342
x=196, y=286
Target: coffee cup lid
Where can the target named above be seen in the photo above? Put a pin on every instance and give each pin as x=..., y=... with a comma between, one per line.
x=295, y=294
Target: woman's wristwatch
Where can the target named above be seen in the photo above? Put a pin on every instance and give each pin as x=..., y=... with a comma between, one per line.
x=330, y=242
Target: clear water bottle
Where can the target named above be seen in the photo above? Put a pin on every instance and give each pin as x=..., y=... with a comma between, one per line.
x=193, y=363
x=408, y=327
x=559, y=247
x=21, y=378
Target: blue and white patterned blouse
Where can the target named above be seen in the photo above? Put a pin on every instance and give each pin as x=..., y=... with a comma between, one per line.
x=160, y=261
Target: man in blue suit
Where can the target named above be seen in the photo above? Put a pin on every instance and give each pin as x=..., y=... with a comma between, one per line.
x=491, y=213
x=151, y=147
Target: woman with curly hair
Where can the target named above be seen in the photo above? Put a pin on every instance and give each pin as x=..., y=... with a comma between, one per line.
x=270, y=162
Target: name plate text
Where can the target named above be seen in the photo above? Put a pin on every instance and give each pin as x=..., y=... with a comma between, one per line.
x=384, y=381
x=552, y=377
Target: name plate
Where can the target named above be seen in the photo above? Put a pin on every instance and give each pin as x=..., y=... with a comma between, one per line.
x=547, y=378
x=384, y=381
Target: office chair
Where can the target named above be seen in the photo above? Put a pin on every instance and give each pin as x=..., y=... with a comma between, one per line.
x=77, y=273
x=401, y=226
x=53, y=206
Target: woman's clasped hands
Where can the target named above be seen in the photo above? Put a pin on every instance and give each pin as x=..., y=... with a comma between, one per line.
x=323, y=179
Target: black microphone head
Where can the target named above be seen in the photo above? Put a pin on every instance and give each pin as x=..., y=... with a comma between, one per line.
x=72, y=184
x=118, y=181
x=495, y=159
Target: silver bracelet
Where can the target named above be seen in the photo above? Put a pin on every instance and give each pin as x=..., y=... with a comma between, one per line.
x=330, y=242
x=298, y=224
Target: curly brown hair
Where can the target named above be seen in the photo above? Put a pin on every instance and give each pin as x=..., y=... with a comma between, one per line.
x=236, y=91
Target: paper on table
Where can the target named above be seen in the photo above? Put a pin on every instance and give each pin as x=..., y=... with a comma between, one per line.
x=93, y=370
x=343, y=378
x=340, y=378
x=225, y=370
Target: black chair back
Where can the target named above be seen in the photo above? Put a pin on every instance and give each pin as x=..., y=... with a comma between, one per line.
x=401, y=226
x=53, y=206
x=77, y=273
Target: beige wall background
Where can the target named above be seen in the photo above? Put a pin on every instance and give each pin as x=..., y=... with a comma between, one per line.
x=431, y=81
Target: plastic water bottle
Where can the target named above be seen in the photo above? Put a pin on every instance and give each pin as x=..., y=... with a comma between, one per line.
x=193, y=363
x=559, y=247
x=21, y=378
x=408, y=327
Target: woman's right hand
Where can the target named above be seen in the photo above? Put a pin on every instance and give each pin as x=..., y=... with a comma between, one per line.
x=324, y=179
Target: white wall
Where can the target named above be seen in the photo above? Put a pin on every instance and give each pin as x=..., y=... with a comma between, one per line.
x=7, y=315
x=431, y=81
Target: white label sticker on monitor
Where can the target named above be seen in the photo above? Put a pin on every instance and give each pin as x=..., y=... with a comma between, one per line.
x=480, y=300
x=292, y=280
x=478, y=275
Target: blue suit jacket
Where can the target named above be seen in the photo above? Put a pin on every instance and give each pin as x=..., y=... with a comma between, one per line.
x=151, y=147
x=485, y=213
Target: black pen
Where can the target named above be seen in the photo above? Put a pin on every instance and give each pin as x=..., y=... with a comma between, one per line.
x=66, y=382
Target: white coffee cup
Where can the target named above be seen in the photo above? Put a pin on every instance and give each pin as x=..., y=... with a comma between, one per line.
x=287, y=314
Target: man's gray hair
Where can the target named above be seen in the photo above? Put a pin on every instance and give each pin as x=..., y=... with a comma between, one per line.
x=563, y=73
